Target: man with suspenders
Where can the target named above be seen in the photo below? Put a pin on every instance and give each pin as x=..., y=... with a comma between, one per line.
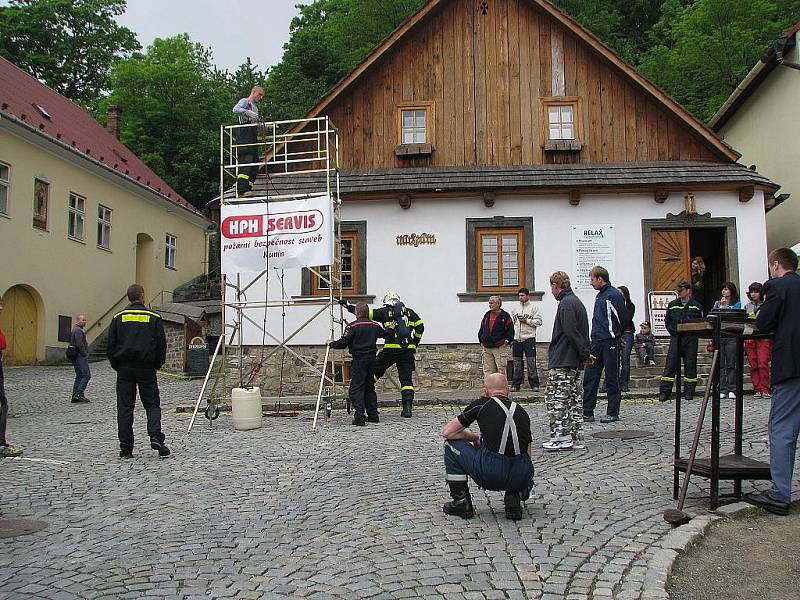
x=499, y=459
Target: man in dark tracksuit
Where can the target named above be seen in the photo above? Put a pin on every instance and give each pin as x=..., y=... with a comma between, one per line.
x=683, y=308
x=137, y=347
x=498, y=459
x=397, y=351
x=360, y=338
x=609, y=314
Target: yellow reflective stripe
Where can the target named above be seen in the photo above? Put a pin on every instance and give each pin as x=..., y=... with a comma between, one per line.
x=370, y=313
x=692, y=379
x=412, y=346
x=667, y=379
x=136, y=318
x=135, y=311
x=243, y=176
x=387, y=323
x=415, y=323
x=407, y=387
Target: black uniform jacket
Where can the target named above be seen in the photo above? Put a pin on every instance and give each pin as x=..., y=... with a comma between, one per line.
x=360, y=338
x=677, y=312
x=136, y=338
x=781, y=313
x=385, y=315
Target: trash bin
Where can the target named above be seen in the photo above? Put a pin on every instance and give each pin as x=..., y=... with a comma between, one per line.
x=197, y=358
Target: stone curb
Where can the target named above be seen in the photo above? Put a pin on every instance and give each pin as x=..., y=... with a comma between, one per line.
x=677, y=542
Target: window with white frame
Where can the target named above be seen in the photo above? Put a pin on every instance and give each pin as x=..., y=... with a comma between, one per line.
x=561, y=121
x=104, y=227
x=171, y=249
x=76, y=218
x=5, y=184
x=413, y=126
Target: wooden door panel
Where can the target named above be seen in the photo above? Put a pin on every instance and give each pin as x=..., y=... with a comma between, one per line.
x=19, y=324
x=671, y=260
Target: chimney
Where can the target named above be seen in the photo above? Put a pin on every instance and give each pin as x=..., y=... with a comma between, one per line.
x=112, y=120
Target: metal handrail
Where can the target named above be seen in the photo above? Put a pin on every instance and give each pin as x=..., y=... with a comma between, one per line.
x=111, y=309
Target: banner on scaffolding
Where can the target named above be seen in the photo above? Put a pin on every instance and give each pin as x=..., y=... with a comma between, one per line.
x=280, y=235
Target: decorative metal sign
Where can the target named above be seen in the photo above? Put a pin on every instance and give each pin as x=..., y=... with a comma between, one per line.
x=416, y=239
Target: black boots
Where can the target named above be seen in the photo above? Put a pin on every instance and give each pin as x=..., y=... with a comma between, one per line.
x=461, y=506
x=513, y=506
x=406, y=412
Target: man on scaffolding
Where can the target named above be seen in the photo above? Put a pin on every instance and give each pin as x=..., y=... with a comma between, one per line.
x=246, y=139
x=405, y=333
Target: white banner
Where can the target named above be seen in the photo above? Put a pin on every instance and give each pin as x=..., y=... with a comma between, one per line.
x=279, y=235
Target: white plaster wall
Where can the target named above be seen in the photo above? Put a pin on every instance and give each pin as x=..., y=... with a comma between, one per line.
x=429, y=277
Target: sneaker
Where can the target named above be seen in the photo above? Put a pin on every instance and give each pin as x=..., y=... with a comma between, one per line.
x=588, y=418
x=652, y=363
x=10, y=451
x=80, y=400
x=732, y=395
x=766, y=395
x=514, y=388
x=163, y=451
x=578, y=445
x=373, y=419
x=126, y=453
x=722, y=395
x=609, y=419
x=556, y=444
x=757, y=395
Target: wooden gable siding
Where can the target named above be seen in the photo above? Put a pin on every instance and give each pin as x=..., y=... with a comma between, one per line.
x=486, y=76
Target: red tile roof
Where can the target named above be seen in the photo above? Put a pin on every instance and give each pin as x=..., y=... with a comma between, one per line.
x=66, y=123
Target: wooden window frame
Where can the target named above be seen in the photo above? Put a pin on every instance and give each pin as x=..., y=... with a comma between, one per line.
x=577, y=118
x=74, y=214
x=316, y=290
x=482, y=232
x=425, y=106
x=5, y=189
x=167, y=254
x=103, y=223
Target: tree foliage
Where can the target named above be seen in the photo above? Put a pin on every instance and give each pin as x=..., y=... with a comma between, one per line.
x=68, y=44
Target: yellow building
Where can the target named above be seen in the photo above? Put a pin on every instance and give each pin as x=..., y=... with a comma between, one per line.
x=81, y=218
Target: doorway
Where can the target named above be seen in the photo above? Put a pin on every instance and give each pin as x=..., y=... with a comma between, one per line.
x=19, y=320
x=144, y=262
x=670, y=245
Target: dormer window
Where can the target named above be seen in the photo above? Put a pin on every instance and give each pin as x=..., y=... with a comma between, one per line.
x=414, y=131
x=561, y=119
x=562, y=124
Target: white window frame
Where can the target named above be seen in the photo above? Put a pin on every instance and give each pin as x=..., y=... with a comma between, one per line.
x=5, y=189
x=170, y=251
x=104, y=218
x=76, y=214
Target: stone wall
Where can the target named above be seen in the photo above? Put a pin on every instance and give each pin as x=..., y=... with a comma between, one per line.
x=442, y=367
x=176, y=347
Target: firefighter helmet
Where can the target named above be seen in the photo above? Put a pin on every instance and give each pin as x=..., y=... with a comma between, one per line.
x=390, y=298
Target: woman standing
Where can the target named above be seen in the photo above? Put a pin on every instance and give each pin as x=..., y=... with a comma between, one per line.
x=758, y=351
x=628, y=331
x=727, y=353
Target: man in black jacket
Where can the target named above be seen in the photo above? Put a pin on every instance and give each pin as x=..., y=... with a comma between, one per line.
x=137, y=347
x=569, y=351
x=683, y=308
x=779, y=314
x=360, y=339
x=495, y=334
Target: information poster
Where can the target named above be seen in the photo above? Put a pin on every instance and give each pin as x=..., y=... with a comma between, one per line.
x=657, y=304
x=592, y=245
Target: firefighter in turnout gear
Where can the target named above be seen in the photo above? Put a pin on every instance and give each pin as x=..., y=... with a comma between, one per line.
x=683, y=308
x=246, y=110
x=405, y=332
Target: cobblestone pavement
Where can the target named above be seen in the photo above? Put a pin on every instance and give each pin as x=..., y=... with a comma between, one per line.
x=346, y=512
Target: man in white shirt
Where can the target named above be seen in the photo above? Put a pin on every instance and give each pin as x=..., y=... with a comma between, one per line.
x=527, y=317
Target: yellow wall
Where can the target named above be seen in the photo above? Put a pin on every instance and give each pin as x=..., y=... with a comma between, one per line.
x=765, y=130
x=71, y=277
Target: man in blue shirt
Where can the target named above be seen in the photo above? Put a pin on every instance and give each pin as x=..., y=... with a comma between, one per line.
x=609, y=314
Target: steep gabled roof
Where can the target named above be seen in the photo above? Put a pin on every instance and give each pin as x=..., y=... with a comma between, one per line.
x=747, y=87
x=28, y=101
x=649, y=88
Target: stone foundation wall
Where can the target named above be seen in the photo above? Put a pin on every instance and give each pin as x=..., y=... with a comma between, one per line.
x=175, y=347
x=445, y=366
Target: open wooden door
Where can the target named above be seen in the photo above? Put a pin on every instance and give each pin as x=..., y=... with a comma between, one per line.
x=671, y=260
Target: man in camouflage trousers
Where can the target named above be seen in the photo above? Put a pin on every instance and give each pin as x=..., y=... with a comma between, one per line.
x=569, y=351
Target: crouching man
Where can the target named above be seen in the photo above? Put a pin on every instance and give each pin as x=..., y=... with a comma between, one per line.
x=499, y=459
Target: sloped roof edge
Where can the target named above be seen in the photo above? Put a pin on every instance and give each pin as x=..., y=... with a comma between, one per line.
x=584, y=34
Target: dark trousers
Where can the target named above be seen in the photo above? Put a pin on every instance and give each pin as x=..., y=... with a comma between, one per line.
x=688, y=353
x=128, y=379
x=362, y=387
x=727, y=365
x=606, y=353
x=82, y=376
x=526, y=348
x=3, y=407
x=404, y=359
x=490, y=470
x=246, y=154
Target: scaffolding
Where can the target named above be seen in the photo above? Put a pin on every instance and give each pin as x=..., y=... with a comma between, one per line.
x=283, y=150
